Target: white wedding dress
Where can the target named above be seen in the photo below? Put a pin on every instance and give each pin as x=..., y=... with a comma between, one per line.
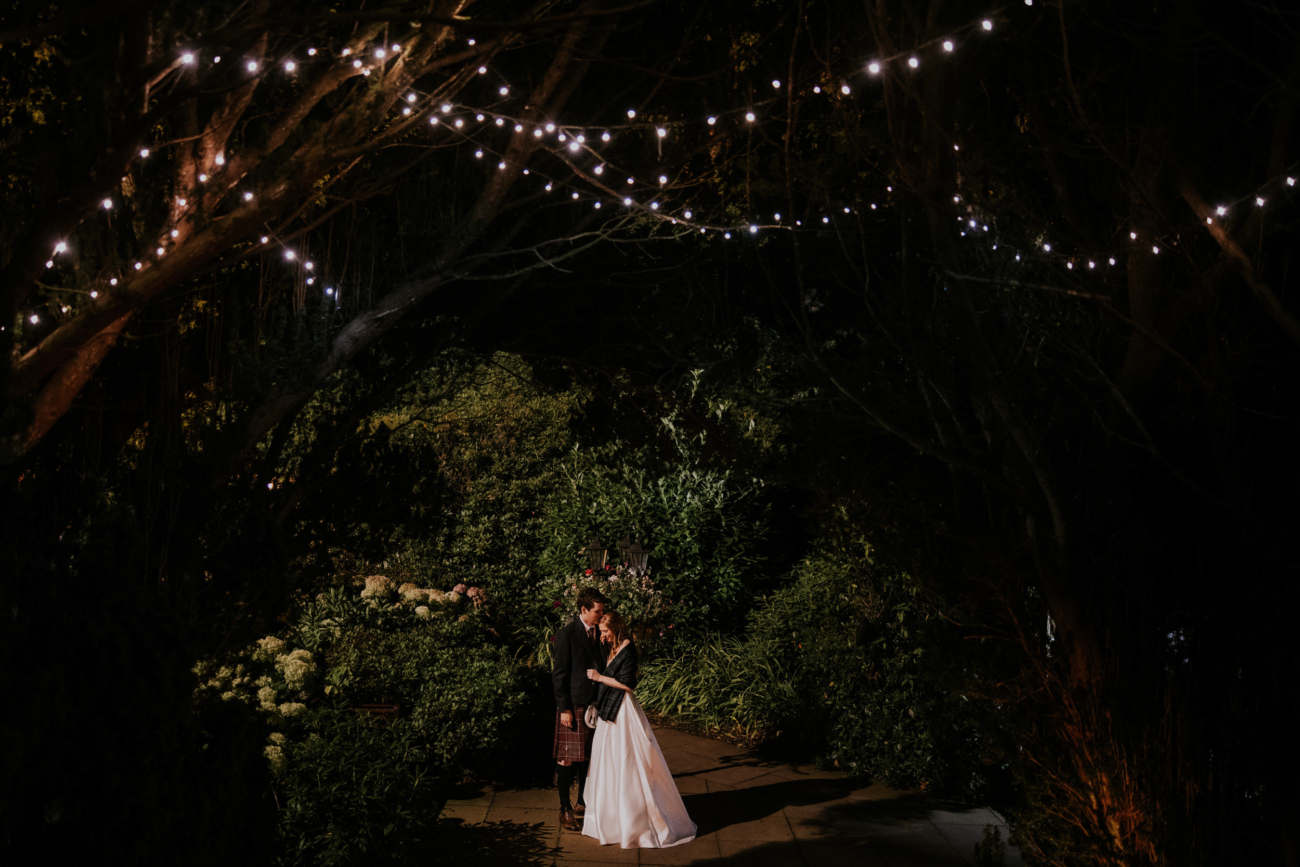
x=631, y=797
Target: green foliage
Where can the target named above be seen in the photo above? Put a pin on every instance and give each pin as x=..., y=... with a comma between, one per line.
x=352, y=791
x=703, y=524
x=723, y=684
x=851, y=661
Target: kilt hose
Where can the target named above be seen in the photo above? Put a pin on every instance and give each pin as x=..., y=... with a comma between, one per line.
x=573, y=744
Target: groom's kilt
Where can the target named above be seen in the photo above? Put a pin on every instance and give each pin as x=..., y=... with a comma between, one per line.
x=573, y=744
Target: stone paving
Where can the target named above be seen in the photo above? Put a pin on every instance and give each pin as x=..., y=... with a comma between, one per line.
x=750, y=811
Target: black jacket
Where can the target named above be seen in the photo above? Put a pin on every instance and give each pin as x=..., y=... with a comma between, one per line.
x=623, y=669
x=574, y=654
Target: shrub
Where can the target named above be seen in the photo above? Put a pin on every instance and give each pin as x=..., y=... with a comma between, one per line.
x=350, y=791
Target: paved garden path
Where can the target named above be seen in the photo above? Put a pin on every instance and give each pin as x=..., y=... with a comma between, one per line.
x=751, y=811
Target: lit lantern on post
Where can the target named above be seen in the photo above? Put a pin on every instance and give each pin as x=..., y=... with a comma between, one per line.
x=595, y=554
x=637, y=558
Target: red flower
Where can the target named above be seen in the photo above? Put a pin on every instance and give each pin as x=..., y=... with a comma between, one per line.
x=552, y=639
x=588, y=572
x=555, y=604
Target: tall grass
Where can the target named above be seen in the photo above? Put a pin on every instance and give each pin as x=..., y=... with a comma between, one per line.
x=725, y=684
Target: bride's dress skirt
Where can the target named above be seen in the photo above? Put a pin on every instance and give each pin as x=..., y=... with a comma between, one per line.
x=631, y=797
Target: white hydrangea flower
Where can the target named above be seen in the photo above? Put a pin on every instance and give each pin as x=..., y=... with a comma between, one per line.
x=266, y=697
x=278, y=738
x=292, y=708
x=423, y=612
x=264, y=680
x=453, y=597
x=407, y=587
x=377, y=586
x=437, y=596
x=298, y=668
x=275, y=756
x=269, y=648
x=416, y=596
x=228, y=696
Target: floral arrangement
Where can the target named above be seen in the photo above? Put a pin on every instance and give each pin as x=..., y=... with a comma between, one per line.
x=631, y=594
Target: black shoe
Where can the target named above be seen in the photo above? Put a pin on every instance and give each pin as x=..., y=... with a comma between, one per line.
x=568, y=821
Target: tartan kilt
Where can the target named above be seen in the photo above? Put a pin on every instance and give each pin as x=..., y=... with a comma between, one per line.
x=573, y=744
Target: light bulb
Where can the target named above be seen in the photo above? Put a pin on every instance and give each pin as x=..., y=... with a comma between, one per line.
x=663, y=179
x=217, y=59
x=778, y=217
x=947, y=45
x=446, y=108
x=604, y=136
x=410, y=97
x=112, y=282
x=406, y=111
x=34, y=319
x=986, y=24
x=627, y=201
x=776, y=83
x=816, y=89
x=329, y=290
x=631, y=180
x=573, y=146
x=600, y=170
x=538, y=132
x=913, y=62
x=288, y=254
x=433, y=118
x=1155, y=249
x=265, y=239
x=596, y=205
x=500, y=121
x=687, y=215
x=956, y=198
x=396, y=47
x=503, y=91
x=1112, y=260
x=138, y=266
x=176, y=233
x=311, y=280
x=501, y=165
x=290, y=66
x=1092, y=264
x=220, y=159
x=471, y=42
x=1047, y=248
x=347, y=51
x=826, y=219
x=1069, y=266
x=1209, y=221
x=49, y=263
x=575, y=195
x=631, y=113
x=311, y=52
x=873, y=68
x=107, y=203
x=581, y=139
x=478, y=155
x=252, y=66
x=187, y=58
x=662, y=132
x=844, y=89
x=712, y=121
x=144, y=152
x=94, y=294
x=519, y=127
x=356, y=64
x=749, y=116
x=482, y=70
x=159, y=251
x=753, y=230
x=846, y=210
x=1133, y=236
x=479, y=118
x=550, y=127
x=60, y=247
x=727, y=235
x=308, y=265
x=654, y=206
x=1290, y=182
x=548, y=187
x=1221, y=210
x=248, y=197
x=459, y=122
x=562, y=137
x=956, y=147
x=380, y=53
x=1259, y=200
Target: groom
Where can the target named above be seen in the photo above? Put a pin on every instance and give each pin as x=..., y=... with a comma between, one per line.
x=577, y=648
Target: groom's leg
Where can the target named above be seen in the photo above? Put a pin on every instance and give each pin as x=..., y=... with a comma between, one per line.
x=564, y=780
x=581, y=769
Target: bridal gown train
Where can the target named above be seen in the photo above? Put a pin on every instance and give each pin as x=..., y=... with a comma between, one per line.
x=631, y=797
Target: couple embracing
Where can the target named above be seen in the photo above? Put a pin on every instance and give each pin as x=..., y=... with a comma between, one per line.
x=626, y=793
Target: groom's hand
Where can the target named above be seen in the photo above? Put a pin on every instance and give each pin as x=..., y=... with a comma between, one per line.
x=566, y=718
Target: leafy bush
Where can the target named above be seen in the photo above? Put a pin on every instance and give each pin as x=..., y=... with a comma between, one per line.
x=723, y=684
x=704, y=525
x=351, y=791
x=851, y=659
x=634, y=596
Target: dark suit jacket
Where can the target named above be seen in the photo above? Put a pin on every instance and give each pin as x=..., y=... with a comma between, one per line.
x=574, y=654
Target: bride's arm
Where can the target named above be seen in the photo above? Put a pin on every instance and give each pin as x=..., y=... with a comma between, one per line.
x=627, y=682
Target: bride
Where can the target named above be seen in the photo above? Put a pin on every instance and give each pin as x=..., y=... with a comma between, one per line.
x=631, y=797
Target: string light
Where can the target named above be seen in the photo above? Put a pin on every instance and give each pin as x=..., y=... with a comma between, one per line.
x=252, y=66
x=662, y=132
x=947, y=45
x=503, y=91
x=290, y=66
x=311, y=52
x=631, y=113
x=482, y=70
x=844, y=89
x=380, y=53
x=749, y=116
x=144, y=152
x=776, y=83
x=711, y=120
x=663, y=179
x=1259, y=200
x=60, y=247
x=604, y=136
x=248, y=197
x=987, y=24
x=108, y=204
x=187, y=58
x=203, y=179
x=1221, y=210
x=913, y=62
x=873, y=68
x=1155, y=250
